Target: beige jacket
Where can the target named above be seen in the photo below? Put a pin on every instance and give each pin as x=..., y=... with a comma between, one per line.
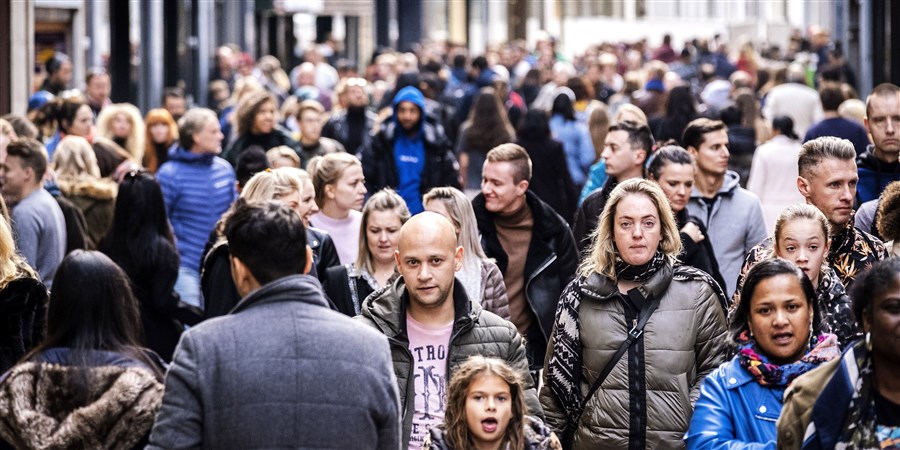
x=684, y=341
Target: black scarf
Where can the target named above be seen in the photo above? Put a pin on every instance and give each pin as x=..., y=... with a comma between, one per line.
x=643, y=272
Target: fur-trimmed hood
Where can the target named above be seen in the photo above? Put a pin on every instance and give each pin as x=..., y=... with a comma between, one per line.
x=39, y=410
x=99, y=189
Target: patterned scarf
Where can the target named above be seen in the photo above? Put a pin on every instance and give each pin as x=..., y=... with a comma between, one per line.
x=859, y=430
x=836, y=308
x=824, y=348
x=625, y=271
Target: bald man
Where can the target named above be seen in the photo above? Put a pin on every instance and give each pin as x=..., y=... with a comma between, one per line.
x=433, y=327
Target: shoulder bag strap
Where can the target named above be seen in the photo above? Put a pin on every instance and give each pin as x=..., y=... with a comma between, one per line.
x=648, y=306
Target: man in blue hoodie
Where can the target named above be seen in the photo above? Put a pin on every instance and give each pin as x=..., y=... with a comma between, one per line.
x=197, y=187
x=409, y=154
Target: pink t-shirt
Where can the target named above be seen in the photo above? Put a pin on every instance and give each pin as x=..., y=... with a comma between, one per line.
x=344, y=233
x=428, y=346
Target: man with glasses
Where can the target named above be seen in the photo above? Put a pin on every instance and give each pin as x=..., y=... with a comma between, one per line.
x=878, y=166
x=312, y=143
x=351, y=127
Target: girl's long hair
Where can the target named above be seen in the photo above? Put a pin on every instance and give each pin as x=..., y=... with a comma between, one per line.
x=458, y=435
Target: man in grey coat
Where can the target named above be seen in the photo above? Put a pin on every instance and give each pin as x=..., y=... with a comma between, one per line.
x=282, y=370
x=732, y=215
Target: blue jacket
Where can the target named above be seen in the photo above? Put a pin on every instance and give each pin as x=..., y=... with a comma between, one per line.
x=197, y=189
x=577, y=144
x=734, y=412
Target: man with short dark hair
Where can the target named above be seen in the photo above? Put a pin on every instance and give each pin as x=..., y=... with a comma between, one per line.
x=282, y=370
x=732, y=215
x=37, y=221
x=532, y=245
x=198, y=186
x=97, y=87
x=879, y=165
x=828, y=180
x=175, y=102
x=433, y=327
x=309, y=118
x=627, y=146
x=833, y=124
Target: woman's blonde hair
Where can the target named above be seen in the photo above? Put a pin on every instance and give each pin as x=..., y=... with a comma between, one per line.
x=463, y=217
x=797, y=212
x=636, y=114
x=602, y=258
x=328, y=169
x=75, y=164
x=12, y=265
x=271, y=184
x=134, y=143
x=264, y=186
x=282, y=151
x=457, y=430
x=383, y=200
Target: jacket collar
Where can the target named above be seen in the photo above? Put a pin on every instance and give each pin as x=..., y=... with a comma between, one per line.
x=729, y=186
x=838, y=391
x=546, y=226
x=387, y=308
x=299, y=288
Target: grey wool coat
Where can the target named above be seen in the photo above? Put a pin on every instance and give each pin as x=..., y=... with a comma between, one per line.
x=282, y=370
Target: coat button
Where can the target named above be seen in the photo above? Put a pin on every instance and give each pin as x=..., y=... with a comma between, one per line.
x=732, y=380
x=762, y=409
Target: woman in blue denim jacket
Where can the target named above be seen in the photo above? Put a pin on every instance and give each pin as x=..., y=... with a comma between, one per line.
x=777, y=341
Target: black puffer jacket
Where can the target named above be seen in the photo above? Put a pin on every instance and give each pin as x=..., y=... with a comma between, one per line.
x=338, y=128
x=475, y=332
x=552, y=256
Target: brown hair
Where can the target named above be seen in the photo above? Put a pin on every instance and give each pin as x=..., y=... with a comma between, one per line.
x=695, y=132
x=383, y=200
x=888, y=217
x=458, y=435
x=247, y=109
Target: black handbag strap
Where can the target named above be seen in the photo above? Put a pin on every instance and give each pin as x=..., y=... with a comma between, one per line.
x=648, y=306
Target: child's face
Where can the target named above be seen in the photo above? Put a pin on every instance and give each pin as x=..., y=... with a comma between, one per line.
x=488, y=410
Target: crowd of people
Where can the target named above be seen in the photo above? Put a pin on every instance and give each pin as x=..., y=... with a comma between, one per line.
x=632, y=248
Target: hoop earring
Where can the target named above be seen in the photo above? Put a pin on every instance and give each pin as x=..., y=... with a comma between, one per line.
x=812, y=337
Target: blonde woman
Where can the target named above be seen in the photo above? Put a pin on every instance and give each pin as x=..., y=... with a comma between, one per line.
x=375, y=266
x=122, y=123
x=280, y=185
x=23, y=300
x=666, y=319
x=340, y=190
x=479, y=274
x=324, y=252
x=78, y=178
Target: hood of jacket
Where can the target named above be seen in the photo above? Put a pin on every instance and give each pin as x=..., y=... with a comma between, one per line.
x=868, y=161
x=99, y=189
x=44, y=408
x=729, y=185
x=386, y=307
x=293, y=288
x=179, y=153
x=413, y=95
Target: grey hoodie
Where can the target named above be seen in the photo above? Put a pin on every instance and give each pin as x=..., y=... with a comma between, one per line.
x=734, y=224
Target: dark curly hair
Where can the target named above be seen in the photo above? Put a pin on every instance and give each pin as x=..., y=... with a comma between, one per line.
x=888, y=218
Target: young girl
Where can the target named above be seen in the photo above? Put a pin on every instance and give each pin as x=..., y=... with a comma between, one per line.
x=486, y=411
x=802, y=237
x=340, y=190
